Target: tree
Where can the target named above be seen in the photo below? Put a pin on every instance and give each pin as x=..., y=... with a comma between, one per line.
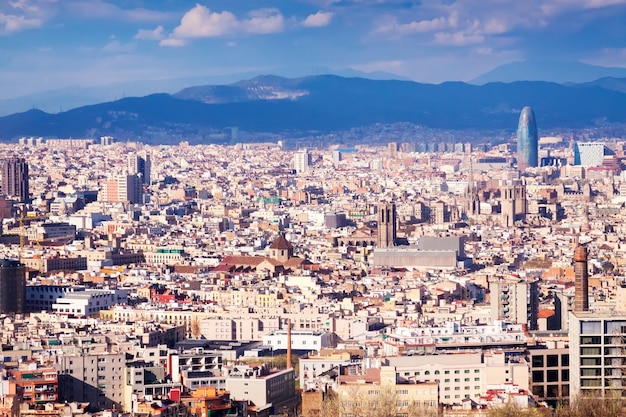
x=373, y=401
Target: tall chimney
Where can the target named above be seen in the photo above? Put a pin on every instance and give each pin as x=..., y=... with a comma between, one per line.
x=288, y=343
x=581, y=279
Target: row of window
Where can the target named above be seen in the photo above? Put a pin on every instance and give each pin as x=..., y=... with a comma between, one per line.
x=437, y=372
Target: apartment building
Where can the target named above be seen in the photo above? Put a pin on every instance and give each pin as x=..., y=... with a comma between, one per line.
x=597, y=354
x=462, y=375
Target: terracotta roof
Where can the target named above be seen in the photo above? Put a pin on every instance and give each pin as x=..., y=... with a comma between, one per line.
x=545, y=313
x=281, y=243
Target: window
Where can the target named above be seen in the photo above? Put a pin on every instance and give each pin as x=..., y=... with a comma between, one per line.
x=537, y=376
x=537, y=361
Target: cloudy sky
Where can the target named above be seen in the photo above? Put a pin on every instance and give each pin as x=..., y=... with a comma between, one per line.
x=47, y=44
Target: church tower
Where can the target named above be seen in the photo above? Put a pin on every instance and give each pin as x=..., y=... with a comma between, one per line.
x=387, y=219
x=472, y=201
x=281, y=250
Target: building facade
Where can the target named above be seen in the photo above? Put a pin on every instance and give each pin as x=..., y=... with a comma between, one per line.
x=527, y=140
x=15, y=179
x=12, y=286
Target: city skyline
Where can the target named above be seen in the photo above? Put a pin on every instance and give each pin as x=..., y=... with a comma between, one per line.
x=53, y=44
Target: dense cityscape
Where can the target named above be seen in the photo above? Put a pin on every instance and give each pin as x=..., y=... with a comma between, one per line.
x=447, y=278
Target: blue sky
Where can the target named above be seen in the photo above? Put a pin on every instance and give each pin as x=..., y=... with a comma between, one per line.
x=48, y=44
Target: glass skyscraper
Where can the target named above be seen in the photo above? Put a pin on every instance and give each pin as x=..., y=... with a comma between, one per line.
x=527, y=140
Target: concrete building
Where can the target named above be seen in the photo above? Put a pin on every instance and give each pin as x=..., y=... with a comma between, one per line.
x=15, y=179
x=301, y=340
x=12, y=286
x=140, y=165
x=514, y=300
x=89, y=303
x=550, y=374
x=302, y=161
x=267, y=392
x=430, y=253
x=122, y=189
x=90, y=377
x=382, y=387
x=146, y=381
x=589, y=154
x=462, y=375
x=35, y=385
x=597, y=353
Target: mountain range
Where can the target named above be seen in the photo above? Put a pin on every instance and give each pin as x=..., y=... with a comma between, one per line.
x=325, y=103
x=70, y=97
x=563, y=72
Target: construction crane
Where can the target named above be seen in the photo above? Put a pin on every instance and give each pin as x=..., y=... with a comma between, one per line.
x=24, y=217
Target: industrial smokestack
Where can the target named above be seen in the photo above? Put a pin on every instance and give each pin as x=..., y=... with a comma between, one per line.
x=288, y=343
x=581, y=279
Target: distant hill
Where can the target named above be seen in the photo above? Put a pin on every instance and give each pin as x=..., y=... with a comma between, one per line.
x=608, y=83
x=552, y=71
x=324, y=103
x=70, y=97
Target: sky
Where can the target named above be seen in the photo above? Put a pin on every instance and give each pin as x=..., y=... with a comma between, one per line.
x=50, y=44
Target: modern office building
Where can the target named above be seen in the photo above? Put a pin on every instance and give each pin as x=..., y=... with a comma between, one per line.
x=550, y=374
x=15, y=179
x=527, y=140
x=124, y=188
x=12, y=286
x=302, y=161
x=597, y=353
x=589, y=154
x=140, y=165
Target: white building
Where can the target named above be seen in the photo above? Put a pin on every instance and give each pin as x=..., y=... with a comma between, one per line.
x=588, y=154
x=302, y=161
x=89, y=302
x=300, y=340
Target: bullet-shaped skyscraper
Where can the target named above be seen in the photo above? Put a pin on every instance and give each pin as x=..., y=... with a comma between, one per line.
x=527, y=140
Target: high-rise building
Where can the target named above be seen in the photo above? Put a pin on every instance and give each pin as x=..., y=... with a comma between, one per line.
x=124, y=188
x=141, y=166
x=15, y=179
x=387, y=219
x=302, y=161
x=589, y=154
x=527, y=140
x=515, y=301
x=12, y=286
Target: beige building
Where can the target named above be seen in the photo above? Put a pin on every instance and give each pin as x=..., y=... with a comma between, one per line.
x=462, y=375
x=381, y=389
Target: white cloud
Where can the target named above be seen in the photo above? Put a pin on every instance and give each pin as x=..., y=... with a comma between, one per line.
x=155, y=34
x=318, y=19
x=458, y=38
x=13, y=23
x=172, y=42
x=200, y=22
x=263, y=21
x=99, y=9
